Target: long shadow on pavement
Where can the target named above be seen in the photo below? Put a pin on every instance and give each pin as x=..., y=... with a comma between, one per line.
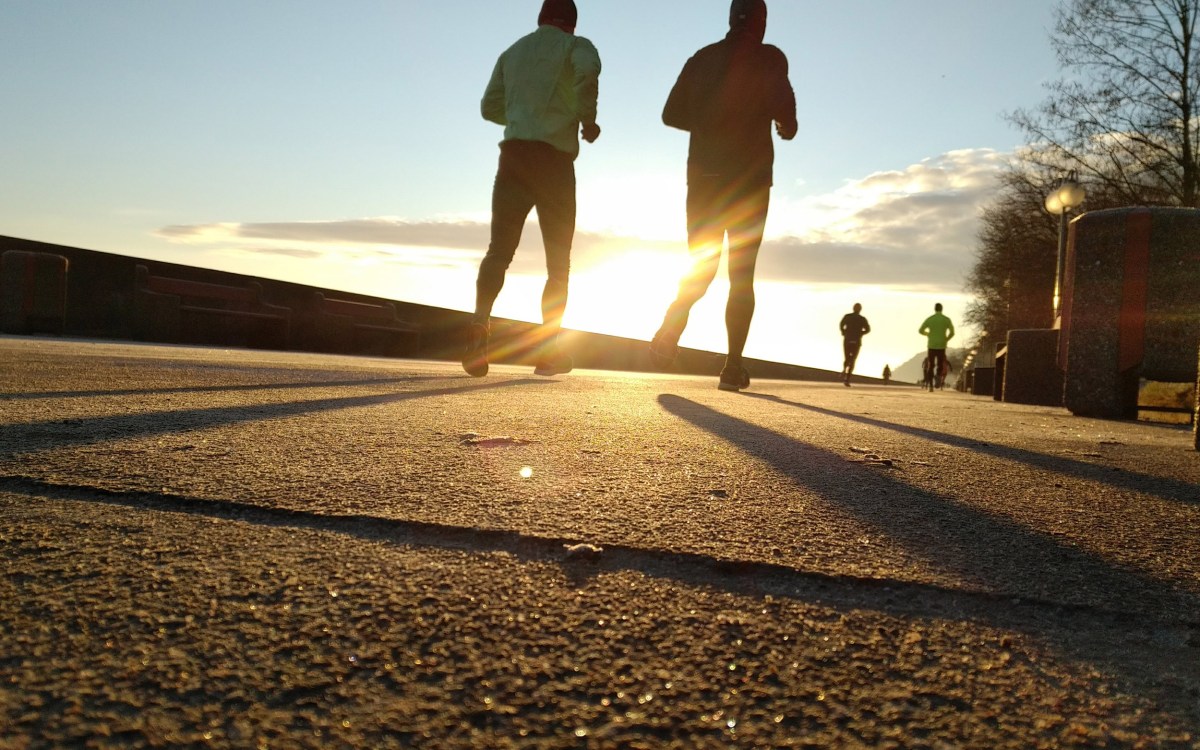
x=989, y=551
x=34, y=395
x=31, y=438
x=979, y=546
x=1058, y=624
x=1168, y=489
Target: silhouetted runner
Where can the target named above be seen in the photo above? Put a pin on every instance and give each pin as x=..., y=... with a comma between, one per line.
x=853, y=326
x=727, y=97
x=543, y=91
x=939, y=330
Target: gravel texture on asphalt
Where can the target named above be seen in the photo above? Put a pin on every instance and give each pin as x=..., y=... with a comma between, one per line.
x=248, y=549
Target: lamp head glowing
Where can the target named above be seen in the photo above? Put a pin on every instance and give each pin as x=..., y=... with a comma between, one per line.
x=1067, y=196
x=1071, y=194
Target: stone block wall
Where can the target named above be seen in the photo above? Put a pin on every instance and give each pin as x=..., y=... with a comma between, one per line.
x=1130, y=306
x=1031, y=374
x=100, y=302
x=33, y=292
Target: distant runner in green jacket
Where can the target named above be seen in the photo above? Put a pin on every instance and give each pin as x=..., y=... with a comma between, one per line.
x=939, y=330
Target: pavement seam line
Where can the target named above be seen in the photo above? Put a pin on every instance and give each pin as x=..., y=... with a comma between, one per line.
x=742, y=576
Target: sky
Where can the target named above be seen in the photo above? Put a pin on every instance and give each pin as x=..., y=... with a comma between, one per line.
x=341, y=145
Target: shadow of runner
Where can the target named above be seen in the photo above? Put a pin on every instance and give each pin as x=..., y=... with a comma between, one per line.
x=1148, y=658
x=1168, y=489
x=34, y=395
x=994, y=553
x=1150, y=646
x=18, y=440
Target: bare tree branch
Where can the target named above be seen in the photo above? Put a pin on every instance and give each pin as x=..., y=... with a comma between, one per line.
x=1125, y=112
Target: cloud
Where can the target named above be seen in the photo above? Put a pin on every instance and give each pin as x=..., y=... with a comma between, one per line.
x=794, y=260
x=912, y=228
x=287, y=252
x=375, y=231
x=430, y=243
x=915, y=227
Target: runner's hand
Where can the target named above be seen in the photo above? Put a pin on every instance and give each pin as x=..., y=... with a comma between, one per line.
x=591, y=131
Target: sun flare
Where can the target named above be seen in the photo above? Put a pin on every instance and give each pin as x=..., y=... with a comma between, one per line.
x=627, y=294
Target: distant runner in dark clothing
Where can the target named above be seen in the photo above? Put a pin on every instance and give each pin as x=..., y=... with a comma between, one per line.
x=854, y=326
x=727, y=97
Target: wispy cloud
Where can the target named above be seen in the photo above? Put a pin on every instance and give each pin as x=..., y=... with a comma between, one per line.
x=913, y=228
x=432, y=244
x=372, y=231
x=437, y=243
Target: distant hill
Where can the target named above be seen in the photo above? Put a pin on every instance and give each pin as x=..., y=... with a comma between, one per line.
x=910, y=371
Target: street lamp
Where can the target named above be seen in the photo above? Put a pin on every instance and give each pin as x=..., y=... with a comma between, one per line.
x=1066, y=196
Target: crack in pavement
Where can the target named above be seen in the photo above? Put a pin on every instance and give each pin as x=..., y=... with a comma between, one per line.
x=745, y=577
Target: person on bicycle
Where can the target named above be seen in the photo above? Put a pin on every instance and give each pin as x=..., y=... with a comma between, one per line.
x=938, y=329
x=944, y=373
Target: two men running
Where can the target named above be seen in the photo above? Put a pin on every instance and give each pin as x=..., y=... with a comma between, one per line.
x=728, y=96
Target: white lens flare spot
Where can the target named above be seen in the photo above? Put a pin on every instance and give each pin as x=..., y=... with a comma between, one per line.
x=526, y=472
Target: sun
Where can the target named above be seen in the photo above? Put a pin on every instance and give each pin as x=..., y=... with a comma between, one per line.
x=626, y=294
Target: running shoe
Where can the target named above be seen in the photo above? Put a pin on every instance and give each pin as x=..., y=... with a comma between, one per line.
x=555, y=363
x=475, y=357
x=663, y=351
x=734, y=378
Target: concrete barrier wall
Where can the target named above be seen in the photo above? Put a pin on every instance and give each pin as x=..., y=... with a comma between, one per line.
x=33, y=292
x=1031, y=374
x=100, y=304
x=1130, y=308
x=983, y=381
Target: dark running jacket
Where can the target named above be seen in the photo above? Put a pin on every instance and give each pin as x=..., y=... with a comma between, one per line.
x=854, y=326
x=727, y=97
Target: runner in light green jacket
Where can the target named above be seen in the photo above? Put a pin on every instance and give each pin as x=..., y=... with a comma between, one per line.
x=939, y=330
x=543, y=91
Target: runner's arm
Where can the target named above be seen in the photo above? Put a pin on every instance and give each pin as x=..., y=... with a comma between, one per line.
x=493, y=106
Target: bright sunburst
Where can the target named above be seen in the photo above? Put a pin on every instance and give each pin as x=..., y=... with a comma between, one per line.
x=627, y=294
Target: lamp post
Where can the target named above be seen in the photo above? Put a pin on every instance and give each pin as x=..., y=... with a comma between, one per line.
x=1065, y=197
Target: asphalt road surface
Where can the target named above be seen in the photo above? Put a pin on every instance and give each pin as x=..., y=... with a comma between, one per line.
x=225, y=548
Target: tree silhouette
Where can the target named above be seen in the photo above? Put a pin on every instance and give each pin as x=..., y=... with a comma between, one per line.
x=1125, y=113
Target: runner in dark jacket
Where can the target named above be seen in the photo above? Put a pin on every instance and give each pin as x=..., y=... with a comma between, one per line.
x=854, y=326
x=728, y=96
